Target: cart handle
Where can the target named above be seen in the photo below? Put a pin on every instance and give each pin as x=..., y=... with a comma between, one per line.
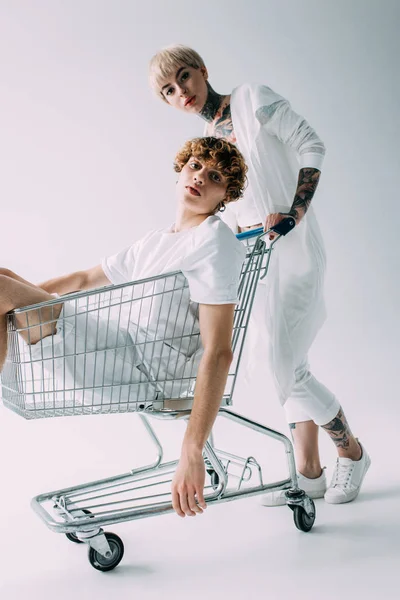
x=282, y=228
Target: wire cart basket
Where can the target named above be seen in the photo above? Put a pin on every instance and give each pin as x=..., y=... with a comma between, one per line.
x=136, y=347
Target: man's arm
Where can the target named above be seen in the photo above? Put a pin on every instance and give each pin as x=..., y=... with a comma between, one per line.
x=216, y=324
x=80, y=280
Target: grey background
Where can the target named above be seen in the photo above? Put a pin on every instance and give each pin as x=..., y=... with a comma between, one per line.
x=86, y=156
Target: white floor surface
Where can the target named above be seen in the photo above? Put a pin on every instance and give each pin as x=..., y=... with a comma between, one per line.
x=238, y=550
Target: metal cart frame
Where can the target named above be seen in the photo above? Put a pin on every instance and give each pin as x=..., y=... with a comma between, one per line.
x=82, y=511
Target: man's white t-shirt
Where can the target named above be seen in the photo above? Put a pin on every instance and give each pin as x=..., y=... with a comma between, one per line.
x=209, y=255
x=164, y=325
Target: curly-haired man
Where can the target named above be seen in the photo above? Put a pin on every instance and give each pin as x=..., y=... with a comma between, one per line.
x=211, y=173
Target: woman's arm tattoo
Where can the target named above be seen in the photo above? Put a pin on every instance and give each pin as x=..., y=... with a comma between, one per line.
x=306, y=186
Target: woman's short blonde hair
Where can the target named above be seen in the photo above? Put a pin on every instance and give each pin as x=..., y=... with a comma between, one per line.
x=223, y=155
x=167, y=61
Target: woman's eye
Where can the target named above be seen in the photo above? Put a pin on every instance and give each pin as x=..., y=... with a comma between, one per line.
x=215, y=177
x=194, y=165
x=169, y=91
x=184, y=76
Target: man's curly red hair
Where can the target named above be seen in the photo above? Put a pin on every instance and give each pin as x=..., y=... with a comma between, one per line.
x=223, y=155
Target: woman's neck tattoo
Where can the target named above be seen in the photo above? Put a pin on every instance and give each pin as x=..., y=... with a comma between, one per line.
x=212, y=105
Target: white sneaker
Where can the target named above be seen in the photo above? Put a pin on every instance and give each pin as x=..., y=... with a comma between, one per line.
x=314, y=488
x=347, y=478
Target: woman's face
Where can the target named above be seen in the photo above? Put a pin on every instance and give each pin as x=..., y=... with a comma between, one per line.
x=201, y=187
x=186, y=89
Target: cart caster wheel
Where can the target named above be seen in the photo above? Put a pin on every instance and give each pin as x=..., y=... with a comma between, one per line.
x=301, y=518
x=214, y=478
x=101, y=563
x=72, y=537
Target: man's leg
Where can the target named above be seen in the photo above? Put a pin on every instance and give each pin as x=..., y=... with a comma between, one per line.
x=12, y=275
x=16, y=293
x=3, y=340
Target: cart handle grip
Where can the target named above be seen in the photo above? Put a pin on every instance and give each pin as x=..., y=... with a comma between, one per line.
x=282, y=228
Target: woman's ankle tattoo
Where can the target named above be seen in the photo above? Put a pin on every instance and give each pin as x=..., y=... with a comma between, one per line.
x=339, y=430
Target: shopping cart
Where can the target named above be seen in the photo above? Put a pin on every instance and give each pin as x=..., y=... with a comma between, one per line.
x=143, y=358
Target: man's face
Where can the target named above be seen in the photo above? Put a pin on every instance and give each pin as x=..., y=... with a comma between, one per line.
x=186, y=89
x=201, y=187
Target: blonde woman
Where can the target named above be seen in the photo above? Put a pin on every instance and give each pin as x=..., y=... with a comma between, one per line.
x=284, y=156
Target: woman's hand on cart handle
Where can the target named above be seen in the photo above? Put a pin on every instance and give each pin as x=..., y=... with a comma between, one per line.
x=274, y=219
x=188, y=484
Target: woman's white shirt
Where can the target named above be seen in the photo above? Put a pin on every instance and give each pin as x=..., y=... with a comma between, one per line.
x=276, y=143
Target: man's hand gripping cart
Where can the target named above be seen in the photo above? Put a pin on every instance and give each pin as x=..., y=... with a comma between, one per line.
x=135, y=365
